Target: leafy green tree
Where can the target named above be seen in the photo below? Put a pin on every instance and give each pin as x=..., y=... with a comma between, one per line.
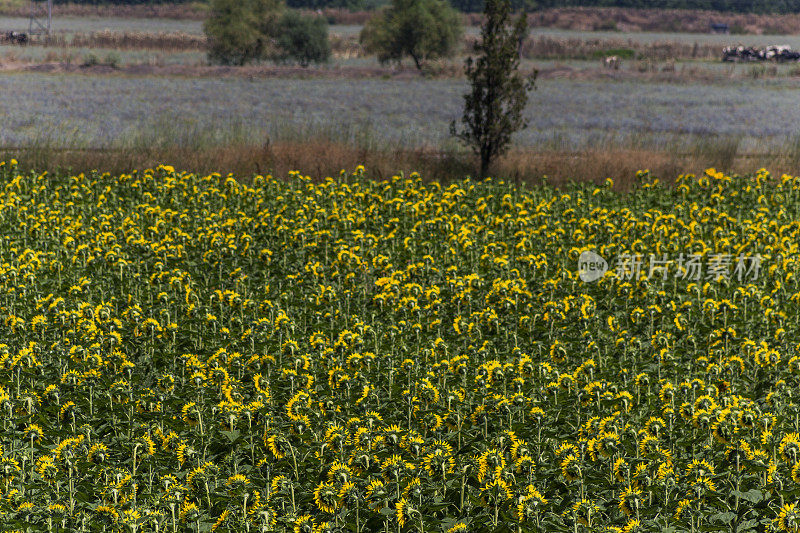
x=493, y=108
x=240, y=31
x=421, y=29
x=303, y=39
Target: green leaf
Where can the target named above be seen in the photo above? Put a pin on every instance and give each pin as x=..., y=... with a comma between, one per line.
x=232, y=435
x=752, y=495
x=747, y=525
x=726, y=517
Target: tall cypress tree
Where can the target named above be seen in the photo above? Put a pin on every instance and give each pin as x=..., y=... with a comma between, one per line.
x=493, y=108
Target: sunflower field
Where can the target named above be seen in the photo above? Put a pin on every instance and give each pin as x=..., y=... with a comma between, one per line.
x=200, y=353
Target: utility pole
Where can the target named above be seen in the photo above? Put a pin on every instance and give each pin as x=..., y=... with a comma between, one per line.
x=41, y=22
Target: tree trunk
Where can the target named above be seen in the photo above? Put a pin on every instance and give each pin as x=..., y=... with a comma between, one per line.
x=486, y=160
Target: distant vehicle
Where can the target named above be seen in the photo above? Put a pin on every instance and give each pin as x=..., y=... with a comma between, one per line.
x=15, y=37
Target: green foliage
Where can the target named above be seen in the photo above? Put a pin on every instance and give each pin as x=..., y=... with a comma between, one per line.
x=240, y=31
x=493, y=108
x=421, y=29
x=90, y=60
x=112, y=59
x=606, y=25
x=622, y=53
x=303, y=39
x=737, y=29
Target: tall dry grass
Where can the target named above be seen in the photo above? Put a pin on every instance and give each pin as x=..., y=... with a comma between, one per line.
x=324, y=157
x=133, y=40
x=196, y=10
x=543, y=47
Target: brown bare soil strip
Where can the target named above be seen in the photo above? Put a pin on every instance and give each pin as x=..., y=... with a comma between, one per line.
x=643, y=71
x=214, y=71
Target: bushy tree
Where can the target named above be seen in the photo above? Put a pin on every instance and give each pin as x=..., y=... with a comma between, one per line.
x=421, y=29
x=240, y=31
x=493, y=107
x=303, y=39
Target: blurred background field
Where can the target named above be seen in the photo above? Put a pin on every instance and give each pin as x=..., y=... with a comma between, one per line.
x=108, y=111
x=131, y=89
x=50, y=115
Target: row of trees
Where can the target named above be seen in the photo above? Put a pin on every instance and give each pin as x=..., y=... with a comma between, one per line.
x=241, y=30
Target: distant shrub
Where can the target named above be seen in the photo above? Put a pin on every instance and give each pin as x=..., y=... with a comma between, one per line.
x=672, y=26
x=112, y=60
x=622, y=53
x=90, y=60
x=737, y=29
x=303, y=39
x=772, y=29
x=606, y=25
